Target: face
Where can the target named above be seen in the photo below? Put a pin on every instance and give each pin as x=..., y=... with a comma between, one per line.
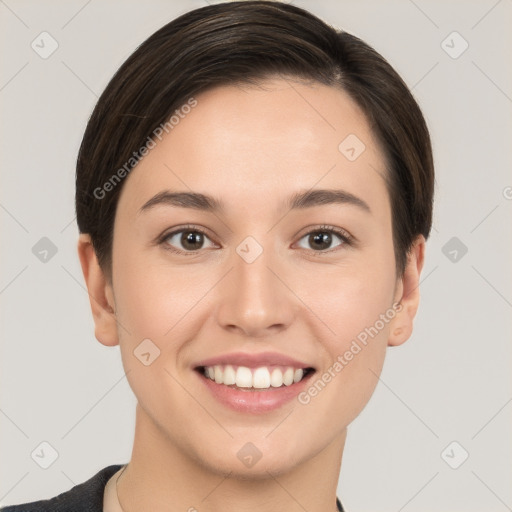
x=257, y=282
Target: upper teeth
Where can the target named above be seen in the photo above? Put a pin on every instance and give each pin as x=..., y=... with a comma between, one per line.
x=260, y=378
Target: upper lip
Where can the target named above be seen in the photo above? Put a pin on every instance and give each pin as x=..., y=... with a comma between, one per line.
x=253, y=360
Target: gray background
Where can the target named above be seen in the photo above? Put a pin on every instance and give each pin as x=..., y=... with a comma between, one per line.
x=449, y=382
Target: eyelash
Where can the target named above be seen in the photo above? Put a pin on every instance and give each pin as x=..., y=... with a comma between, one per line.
x=345, y=237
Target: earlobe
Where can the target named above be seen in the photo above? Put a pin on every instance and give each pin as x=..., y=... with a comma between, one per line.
x=408, y=295
x=101, y=295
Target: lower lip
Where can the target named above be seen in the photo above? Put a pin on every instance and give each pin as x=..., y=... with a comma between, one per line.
x=254, y=401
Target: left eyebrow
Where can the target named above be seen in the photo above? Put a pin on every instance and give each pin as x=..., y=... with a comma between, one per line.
x=299, y=200
x=318, y=197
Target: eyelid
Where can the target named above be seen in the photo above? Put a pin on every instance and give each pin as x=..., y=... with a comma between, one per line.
x=343, y=233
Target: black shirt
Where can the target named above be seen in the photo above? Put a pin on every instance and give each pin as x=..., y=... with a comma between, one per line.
x=84, y=497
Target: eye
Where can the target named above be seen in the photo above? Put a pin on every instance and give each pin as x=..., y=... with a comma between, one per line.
x=321, y=239
x=191, y=239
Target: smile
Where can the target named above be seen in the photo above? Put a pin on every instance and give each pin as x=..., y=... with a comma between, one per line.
x=263, y=377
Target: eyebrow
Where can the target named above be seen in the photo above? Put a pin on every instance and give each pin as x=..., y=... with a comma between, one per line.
x=298, y=201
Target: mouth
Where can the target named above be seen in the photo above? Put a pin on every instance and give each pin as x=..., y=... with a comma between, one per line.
x=254, y=383
x=257, y=390
x=262, y=378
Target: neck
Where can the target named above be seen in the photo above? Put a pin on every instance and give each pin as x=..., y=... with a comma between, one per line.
x=162, y=476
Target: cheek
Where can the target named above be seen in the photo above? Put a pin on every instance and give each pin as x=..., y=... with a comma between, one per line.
x=151, y=301
x=151, y=298
x=360, y=317
x=348, y=298
x=355, y=306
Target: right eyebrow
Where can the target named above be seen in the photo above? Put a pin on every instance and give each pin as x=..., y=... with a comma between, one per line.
x=193, y=200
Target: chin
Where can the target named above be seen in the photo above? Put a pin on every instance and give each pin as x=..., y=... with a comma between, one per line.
x=246, y=462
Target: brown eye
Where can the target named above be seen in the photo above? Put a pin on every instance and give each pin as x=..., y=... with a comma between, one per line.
x=186, y=240
x=191, y=240
x=321, y=239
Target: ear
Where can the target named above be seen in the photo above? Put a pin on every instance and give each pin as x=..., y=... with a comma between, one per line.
x=408, y=294
x=100, y=291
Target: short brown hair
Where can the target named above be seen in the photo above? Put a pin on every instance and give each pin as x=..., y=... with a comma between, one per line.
x=240, y=43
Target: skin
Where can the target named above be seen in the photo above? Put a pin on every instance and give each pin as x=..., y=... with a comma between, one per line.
x=251, y=148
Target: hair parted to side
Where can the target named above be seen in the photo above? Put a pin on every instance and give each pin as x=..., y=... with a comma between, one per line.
x=242, y=43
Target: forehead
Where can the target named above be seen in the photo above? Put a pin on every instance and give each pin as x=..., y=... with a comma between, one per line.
x=248, y=145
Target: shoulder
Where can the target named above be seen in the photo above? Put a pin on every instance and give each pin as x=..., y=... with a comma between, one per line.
x=84, y=497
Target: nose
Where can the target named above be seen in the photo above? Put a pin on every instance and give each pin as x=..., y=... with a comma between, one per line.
x=255, y=300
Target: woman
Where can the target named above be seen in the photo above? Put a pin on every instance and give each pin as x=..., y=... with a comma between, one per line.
x=254, y=192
